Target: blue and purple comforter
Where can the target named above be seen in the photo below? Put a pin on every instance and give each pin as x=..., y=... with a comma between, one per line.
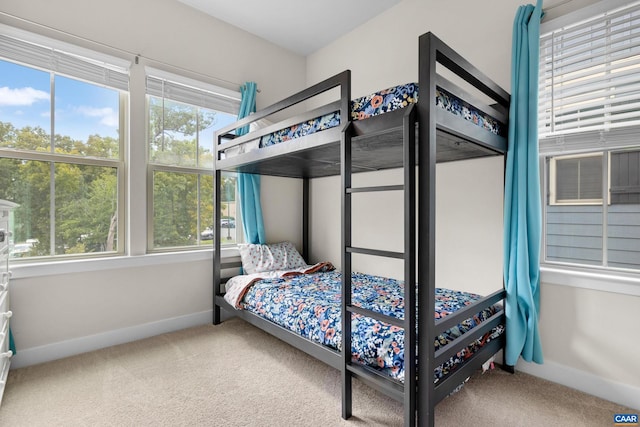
x=309, y=305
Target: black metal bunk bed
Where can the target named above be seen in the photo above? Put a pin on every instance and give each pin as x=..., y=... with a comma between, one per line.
x=385, y=141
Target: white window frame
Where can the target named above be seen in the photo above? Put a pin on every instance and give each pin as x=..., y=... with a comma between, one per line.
x=133, y=187
x=63, y=59
x=553, y=200
x=599, y=278
x=198, y=94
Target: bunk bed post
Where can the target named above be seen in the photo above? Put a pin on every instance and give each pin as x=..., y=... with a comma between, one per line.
x=305, y=218
x=217, y=182
x=425, y=398
x=345, y=173
x=410, y=368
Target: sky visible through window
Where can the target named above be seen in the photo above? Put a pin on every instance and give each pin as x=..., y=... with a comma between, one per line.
x=81, y=109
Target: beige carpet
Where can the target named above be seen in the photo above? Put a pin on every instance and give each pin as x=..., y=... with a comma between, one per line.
x=236, y=375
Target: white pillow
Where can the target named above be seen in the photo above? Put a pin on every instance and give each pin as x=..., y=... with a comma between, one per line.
x=257, y=258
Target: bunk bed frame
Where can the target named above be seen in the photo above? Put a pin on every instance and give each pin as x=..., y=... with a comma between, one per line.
x=385, y=141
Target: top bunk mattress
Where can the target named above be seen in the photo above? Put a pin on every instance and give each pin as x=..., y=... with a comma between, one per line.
x=375, y=104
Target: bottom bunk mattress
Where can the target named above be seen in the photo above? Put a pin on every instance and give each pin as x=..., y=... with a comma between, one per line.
x=310, y=305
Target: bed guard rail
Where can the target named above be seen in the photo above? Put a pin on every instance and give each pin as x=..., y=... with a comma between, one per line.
x=341, y=80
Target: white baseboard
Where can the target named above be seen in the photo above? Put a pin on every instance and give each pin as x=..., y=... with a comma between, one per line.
x=622, y=394
x=59, y=350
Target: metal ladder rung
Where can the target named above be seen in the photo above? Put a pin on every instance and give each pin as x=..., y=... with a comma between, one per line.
x=376, y=188
x=375, y=252
x=385, y=383
x=375, y=315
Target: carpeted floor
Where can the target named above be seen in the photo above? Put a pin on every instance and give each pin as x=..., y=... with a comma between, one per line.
x=236, y=375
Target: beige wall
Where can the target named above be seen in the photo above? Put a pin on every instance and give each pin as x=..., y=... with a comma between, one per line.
x=61, y=307
x=587, y=330
x=591, y=331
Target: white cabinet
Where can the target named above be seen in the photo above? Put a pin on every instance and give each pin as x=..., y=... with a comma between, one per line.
x=6, y=242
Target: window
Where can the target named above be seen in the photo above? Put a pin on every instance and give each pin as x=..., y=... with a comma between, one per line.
x=182, y=118
x=625, y=183
x=575, y=180
x=589, y=131
x=62, y=133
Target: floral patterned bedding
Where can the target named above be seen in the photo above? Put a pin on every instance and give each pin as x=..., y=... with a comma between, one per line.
x=382, y=102
x=309, y=304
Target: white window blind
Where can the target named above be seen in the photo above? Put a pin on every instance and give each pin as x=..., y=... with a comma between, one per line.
x=50, y=55
x=181, y=89
x=590, y=83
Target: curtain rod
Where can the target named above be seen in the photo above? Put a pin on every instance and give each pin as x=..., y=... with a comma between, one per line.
x=562, y=3
x=135, y=56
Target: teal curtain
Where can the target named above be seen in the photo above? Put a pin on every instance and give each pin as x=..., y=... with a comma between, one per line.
x=247, y=104
x=248, y=184
x=12, y=344
x=522, y=206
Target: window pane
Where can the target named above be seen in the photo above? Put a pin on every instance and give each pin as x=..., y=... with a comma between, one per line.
x=176, y=213
x=70, y=207
x=86, y=200
x=623, y=216
x=577, y=233
x=210, y=123
x=25, y=109
x=207, y=126
x=579, y=179
x=574, y=229
x=623, y=236
x=87, y=119
x=625, y=177
x=175, y=209
x=181, y=139
x=567, y=178
x=574, y=234
x=228, y=210
x=206, y=209
x=591, y=178
x=27, y=183
x=172, y=132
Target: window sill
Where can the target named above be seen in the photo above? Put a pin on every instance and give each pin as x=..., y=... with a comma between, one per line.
x=25, y=270
x=604, y=281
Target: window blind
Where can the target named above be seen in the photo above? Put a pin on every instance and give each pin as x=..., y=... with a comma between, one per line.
x=42, y=55
x=590, y=83
x=181, y=89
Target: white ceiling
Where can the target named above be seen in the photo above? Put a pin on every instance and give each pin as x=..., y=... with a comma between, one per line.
x=302, y=26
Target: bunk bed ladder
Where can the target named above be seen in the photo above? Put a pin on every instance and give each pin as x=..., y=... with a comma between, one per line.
x=406, y=392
